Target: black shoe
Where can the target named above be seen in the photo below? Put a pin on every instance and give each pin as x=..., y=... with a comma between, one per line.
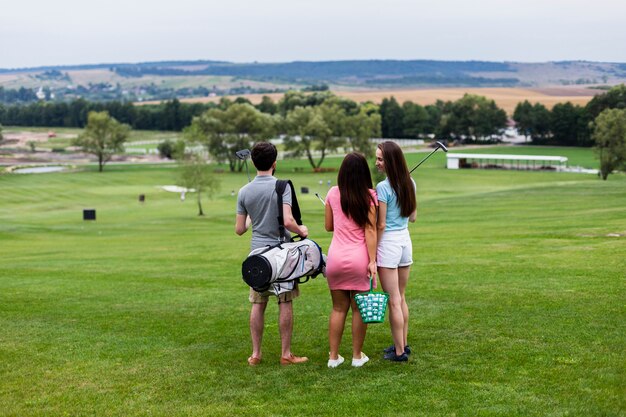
x=392, y=348
x=396, y=358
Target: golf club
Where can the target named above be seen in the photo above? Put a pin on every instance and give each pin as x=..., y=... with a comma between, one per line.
x=439, y=146
x=321, y=199
x=243, y=155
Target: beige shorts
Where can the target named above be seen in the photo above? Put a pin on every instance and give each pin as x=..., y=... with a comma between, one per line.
x=263, y=297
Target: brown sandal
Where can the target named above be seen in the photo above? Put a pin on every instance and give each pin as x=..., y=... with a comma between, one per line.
x=291, y=359
x=253, y=361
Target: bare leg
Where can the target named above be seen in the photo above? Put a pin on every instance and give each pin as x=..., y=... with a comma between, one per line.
x=285, y=324
x=403, y=279
x=359, y=329
x=341, y=305
x=389, y=280
x=257, y=321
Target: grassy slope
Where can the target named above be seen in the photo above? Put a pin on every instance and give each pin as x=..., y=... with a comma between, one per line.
x=517, y=301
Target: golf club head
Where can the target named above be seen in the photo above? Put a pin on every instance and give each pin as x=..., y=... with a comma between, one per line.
x=442, y=146
x=243, y=154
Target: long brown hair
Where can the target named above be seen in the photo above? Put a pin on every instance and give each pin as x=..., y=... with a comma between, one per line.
x=399, y=177
x=355, y=181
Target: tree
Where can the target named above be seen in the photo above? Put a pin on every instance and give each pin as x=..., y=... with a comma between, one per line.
x=391, y=118
x=361, y=127
x=293, y=99
x=609, y=134
x=242, y=100
x=434, y=117
x=196, y=174
x=223, y=132
x=615, y=98
x=1, y=137
x=103, y=136
x=171, y=116
x=267, y=105
x=171, y=150
x=474, y=117
x=415, y=120
x=570, y=125
x=310, y=129
x=532, y=120
x=523, y=116
x=541, y=119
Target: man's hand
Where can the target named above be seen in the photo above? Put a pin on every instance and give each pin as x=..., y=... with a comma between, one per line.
x=304, y=231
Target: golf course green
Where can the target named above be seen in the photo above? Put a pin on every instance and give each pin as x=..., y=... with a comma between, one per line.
x=517, y=299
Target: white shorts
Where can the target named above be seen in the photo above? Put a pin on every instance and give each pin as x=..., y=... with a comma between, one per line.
x=395, y=249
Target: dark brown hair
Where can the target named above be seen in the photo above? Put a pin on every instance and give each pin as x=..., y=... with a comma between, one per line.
x=399, y=177
x=355, y=181
x=264, y=155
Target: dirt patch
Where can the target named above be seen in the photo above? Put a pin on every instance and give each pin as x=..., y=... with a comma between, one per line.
x=21, y=139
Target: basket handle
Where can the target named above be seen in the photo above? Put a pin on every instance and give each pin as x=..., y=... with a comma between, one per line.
x=371, y=284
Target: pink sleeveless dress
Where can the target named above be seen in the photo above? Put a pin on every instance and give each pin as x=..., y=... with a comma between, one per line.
x=346, y=266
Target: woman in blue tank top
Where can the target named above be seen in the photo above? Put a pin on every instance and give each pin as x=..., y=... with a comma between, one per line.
x=394, y=256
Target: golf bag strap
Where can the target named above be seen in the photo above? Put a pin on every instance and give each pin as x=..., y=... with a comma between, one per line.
x=295, y=207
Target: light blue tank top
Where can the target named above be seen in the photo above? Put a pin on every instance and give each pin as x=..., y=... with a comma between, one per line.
x=394, y=220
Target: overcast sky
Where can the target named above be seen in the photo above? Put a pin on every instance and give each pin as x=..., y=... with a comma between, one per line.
x=68, y=32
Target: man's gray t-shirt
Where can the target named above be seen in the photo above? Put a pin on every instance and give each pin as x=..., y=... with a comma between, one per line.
x=258, y=199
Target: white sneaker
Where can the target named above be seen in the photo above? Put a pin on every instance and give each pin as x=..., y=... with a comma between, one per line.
x=357, y=363
x=333, y=363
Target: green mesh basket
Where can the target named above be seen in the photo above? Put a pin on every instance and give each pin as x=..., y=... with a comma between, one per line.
x=372, y=305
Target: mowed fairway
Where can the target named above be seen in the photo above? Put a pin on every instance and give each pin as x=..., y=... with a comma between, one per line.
x=517, y=300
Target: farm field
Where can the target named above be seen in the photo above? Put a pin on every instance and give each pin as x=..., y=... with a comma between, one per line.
x=505, y=98
x=86, y=77
x=516, y=297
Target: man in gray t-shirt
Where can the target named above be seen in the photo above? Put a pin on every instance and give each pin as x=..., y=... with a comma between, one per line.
x=257, y=207
x=258, y=200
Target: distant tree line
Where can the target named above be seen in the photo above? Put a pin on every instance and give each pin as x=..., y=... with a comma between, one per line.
x=470, y=119
x=21, y=95
x=115, y=92
x=170, y=115
x=53, y=75
x=566, y=124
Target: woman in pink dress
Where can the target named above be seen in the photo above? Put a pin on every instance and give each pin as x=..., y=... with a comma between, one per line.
x=351, y=216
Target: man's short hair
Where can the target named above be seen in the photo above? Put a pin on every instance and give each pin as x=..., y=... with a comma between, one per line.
x=264, y=155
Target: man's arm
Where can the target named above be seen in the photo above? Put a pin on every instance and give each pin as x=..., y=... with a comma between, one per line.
x=290, y=222
x=242, y=224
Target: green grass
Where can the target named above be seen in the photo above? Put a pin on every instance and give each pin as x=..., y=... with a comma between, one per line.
x=516, y=296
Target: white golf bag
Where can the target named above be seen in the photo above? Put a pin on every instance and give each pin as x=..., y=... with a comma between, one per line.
x=278, y=267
